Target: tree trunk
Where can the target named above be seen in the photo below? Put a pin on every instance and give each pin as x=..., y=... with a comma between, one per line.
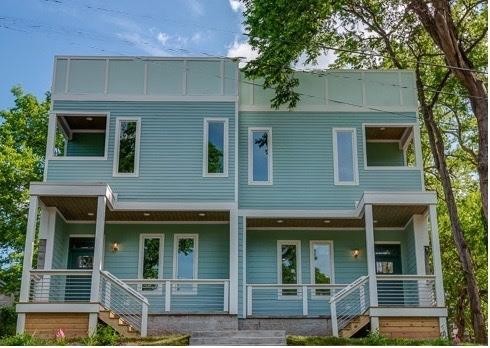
x=437, y=149
x=438, y=22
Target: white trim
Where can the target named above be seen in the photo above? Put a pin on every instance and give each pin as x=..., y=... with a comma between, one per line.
x=57, y=308
x=312, y=270
x=81, y=235
x=274, y=213
x=251, y=130
x=398, y=198
x=195, y=261
x=142, y=97
x=29, y=248
x=332, y=107
x=180, y=222
x=178, y=206
x=141, y=254
x=388, y=242
x=355, y=160
x=205, y=151
x=234, y=264
x=421, y=240
x=296, y=243
x=236, y=146
x=244, y=264
x=21, y=322
x=115, y=164
x=98, y=248
x=408, y=312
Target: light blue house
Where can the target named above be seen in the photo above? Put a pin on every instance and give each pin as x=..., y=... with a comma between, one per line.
x=175, y=199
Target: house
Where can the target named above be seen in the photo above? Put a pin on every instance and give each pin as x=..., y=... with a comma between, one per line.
x=6, y=299
x=175, y=199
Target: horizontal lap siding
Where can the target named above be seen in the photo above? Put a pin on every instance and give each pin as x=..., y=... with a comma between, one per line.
x=171, y=150
x=303, y=171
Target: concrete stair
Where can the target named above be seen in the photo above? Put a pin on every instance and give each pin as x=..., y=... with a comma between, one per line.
x=354, y=326
x=118, y=324
x=239, y=338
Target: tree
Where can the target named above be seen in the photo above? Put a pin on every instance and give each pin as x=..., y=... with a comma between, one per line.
x=378, y=34
x=23, y=146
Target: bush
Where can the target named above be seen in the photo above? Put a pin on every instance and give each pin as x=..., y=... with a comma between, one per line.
x=22, y=340
x=8, y=321
x=104, y=336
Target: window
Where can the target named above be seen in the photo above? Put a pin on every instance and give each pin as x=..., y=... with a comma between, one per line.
x=321, y=265
x=345, y=156
x=260, y=156
x=78, y=136
x=185, y=262
x=289, y=265
x=150, y=265
x=215, y=147
x=126, y=150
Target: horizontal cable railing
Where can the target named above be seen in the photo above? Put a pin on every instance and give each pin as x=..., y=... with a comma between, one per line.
x=349, y=303
x=406, y=291
x=290, y=299
x=184, y=295
x=125, y=302
x=60, y=285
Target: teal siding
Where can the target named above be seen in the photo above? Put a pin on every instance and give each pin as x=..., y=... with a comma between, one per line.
x=60, y=250
x=86, y=145
x=409, y=242
x=384, y=154
x=303, y=173
x=171, y=152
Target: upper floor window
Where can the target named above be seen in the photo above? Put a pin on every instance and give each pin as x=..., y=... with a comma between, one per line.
x=389, y=147
x=345, y=156
x=215, y=149
x=126, y=147
x=260, y=156
x=78, y=136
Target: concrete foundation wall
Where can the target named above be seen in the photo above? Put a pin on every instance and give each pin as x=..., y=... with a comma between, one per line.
x=292, y=326
x=161, y=324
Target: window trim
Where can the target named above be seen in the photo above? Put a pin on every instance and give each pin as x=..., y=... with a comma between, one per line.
x=141, y=252
x=415, y=138
x=195, y=262
x=205, y=153
x=312, y=271
x=280, y=243
x=250, y=156
x=355, y=160
x=52, y=126
x=115, y=164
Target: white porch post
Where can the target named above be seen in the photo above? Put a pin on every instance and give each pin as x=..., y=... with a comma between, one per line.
x=97, y=260
x=373, y=289
x=436, y=259
x=27, y=263
x=233, y=308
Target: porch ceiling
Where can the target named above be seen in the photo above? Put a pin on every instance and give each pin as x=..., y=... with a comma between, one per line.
x=85, y=209
x=385, y=133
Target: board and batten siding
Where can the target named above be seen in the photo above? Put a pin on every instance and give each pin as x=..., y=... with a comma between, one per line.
x=303, y=168
x=171, y=152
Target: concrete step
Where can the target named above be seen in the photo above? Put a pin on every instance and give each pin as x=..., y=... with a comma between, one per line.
x=240, y=333
x=239, y=337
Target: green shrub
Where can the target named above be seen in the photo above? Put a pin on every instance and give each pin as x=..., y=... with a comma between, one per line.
x=22, y=340
x=8, y=321
x=373, y=339
x=104, y=336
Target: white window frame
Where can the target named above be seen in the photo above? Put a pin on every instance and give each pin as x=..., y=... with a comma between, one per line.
x=141, y=253
x=354, y=157
x=195, y=261
x=280, y=243
x=312, y=268
x=205, y=153
x=52, y=126
x=415, y=138
x=115, y=166
x=250, y=155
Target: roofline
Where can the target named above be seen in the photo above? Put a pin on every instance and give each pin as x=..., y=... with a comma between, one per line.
x=143, y=57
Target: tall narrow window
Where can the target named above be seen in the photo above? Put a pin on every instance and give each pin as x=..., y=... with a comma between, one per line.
x=215, y=147
x=260, y=156
x=126, y=151
x=150, y=259
x=185, y=262
x=321, y=265
x=289, y=265
x=345, y=156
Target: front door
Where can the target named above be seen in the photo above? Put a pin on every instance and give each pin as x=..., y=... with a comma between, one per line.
x=80, y=256
x=388, y=261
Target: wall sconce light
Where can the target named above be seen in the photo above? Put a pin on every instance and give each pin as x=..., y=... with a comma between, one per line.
x=355, y=253
x=115, y=247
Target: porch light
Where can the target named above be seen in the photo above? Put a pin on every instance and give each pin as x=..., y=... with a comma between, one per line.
x=355, y=253
x=326, y=221
x=280, y=221
x=202, y=214
x=146, y=214
x=115, y=247
x=90, y=214
x=89, y=118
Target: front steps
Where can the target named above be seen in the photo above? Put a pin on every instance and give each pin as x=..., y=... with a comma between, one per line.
x=114, y=321
x=239, y=338
x=354, y=326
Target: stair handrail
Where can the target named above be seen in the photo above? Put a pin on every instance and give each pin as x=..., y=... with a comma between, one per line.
x=125, y=286
x=349, y=288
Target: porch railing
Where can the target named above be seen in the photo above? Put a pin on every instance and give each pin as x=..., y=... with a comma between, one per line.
x=184, y=295
x=348, y=303
x=406, y=291
x=59, y=285
x=128, y=304
x=289, y=299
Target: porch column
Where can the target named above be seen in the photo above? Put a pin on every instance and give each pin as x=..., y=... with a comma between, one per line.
x=373, y=290
x=436, y=260
x=97, y=260
x=421, y=239
x=27, y=262
x=233, y=262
